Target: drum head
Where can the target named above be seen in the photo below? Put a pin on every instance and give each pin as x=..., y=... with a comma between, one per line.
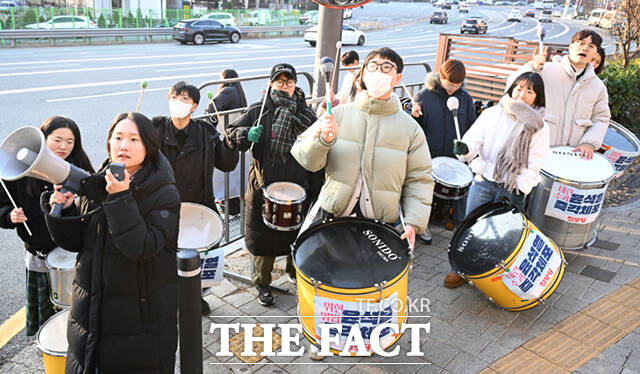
x=61, y=259
x=200, y=227
x=451, y=171
x=489, y=235
x=618, y=138
x=351, y=253
x=565, y=164
x=285, y=191
x=52, y=337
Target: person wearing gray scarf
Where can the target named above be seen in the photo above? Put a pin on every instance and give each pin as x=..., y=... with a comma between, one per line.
x=511, y=141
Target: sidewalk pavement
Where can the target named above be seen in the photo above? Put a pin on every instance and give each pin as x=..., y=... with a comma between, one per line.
x=591, y=324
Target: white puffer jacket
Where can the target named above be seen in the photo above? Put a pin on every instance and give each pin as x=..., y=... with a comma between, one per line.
x=378, y=140
x=486, y=138
x=577, y=112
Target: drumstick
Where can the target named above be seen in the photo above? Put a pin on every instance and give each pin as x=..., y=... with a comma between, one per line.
x=406, y=91
x=14, y=204
x=224, y=128
x=404, y=227
x=143, y=85
x=541, y=32
x=336, y=65
x=264, y=100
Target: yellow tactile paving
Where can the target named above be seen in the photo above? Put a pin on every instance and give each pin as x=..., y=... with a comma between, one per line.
x=12, y=326
x=577, y=339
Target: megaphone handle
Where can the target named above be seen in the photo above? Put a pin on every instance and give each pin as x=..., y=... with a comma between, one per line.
x=56, y=209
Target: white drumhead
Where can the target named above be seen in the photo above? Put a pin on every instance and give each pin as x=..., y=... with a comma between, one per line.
x=200, y=227
x=52, y=337
x=61, y=259
x=451, y=171
x=563, y=163
x=286, y=191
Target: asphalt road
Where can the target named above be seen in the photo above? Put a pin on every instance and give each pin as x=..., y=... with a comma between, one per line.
x=92, y=84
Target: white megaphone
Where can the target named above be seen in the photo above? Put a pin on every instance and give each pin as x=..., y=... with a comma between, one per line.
x=24, y=154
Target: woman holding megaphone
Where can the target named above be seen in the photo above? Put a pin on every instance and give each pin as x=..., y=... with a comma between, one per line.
x=124, y=303
x=62, y=137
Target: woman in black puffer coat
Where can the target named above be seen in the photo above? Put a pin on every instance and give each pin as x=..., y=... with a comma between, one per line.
x=124, y=304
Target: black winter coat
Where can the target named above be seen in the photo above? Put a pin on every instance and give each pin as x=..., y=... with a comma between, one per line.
x=124, y=303
x=26, y=193
x=437, y=120
x=202, y=151
x=260, y=239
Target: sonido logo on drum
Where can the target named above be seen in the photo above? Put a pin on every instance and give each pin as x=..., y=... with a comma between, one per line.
x=384, y=251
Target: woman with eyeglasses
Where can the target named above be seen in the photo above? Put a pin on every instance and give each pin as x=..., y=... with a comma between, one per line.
x=375, y=155
x=285, y=115
x=435, y=118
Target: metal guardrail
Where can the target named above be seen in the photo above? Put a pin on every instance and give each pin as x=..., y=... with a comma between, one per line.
x=150, y=33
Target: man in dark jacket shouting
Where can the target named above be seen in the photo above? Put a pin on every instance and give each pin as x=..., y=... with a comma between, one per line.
x=193, y=148
x=285, y=115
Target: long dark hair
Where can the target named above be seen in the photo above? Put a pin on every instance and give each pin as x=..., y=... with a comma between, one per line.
x=228, y=74
x=603, y=57
x=534, y=80
x=148, y=134
x=78, y=157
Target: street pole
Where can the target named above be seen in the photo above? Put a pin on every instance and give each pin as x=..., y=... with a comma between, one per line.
x=329, y=32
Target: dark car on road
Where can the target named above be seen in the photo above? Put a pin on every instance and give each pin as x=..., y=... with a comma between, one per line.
x=530, y=13
x=474, y=25
x=200, y=31
x=445, y=6
x=439, y=17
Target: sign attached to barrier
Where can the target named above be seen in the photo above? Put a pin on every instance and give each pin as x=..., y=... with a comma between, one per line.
x=533, y=269
x=212, y=264
x=366, y=315
x=574, y=205
x=620, y=159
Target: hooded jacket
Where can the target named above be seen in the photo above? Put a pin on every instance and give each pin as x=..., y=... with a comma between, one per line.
x=124, y=302
x=378, y=140
x=577, y=107
x=437, y=120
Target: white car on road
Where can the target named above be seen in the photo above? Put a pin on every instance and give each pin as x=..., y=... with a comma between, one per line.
x=349, y=35
x=64, y=22
x=514, y=16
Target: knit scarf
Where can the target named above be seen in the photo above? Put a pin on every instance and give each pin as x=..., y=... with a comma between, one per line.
x=286, y=125
x=514, y=155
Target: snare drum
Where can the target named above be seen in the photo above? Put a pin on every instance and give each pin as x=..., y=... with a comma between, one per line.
x=61, y=269
x=452, y=178
x=620, y=146
x=569, y=199
x=201, y=229
x=282, y=208
x=505, y=256
x=52, y=342
x=348, y=270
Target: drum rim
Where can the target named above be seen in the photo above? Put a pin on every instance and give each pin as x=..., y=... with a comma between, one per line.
x=476, y=214
x=215, y=243
x=448, y=184
x=627, y=134
x=579, y=184
x=284, y=202
x=49, y=351
x=304, y=235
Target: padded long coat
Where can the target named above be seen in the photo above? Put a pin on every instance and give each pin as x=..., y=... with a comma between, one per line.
x=124, y=303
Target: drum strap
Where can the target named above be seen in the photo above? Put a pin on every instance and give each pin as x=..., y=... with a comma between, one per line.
x=361, y=198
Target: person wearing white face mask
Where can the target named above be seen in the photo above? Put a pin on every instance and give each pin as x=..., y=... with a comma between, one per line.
x=193, y=147
x=389, y=165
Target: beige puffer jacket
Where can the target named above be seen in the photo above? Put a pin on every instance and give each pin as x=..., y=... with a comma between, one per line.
x=577, y=111
x=392, y=150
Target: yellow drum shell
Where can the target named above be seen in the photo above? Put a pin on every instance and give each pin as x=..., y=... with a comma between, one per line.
x=307, y=294
x=52, y=342
x=500, y=294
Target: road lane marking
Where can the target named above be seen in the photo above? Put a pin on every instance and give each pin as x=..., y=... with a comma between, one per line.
x=13, y=326
x=566, y=30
